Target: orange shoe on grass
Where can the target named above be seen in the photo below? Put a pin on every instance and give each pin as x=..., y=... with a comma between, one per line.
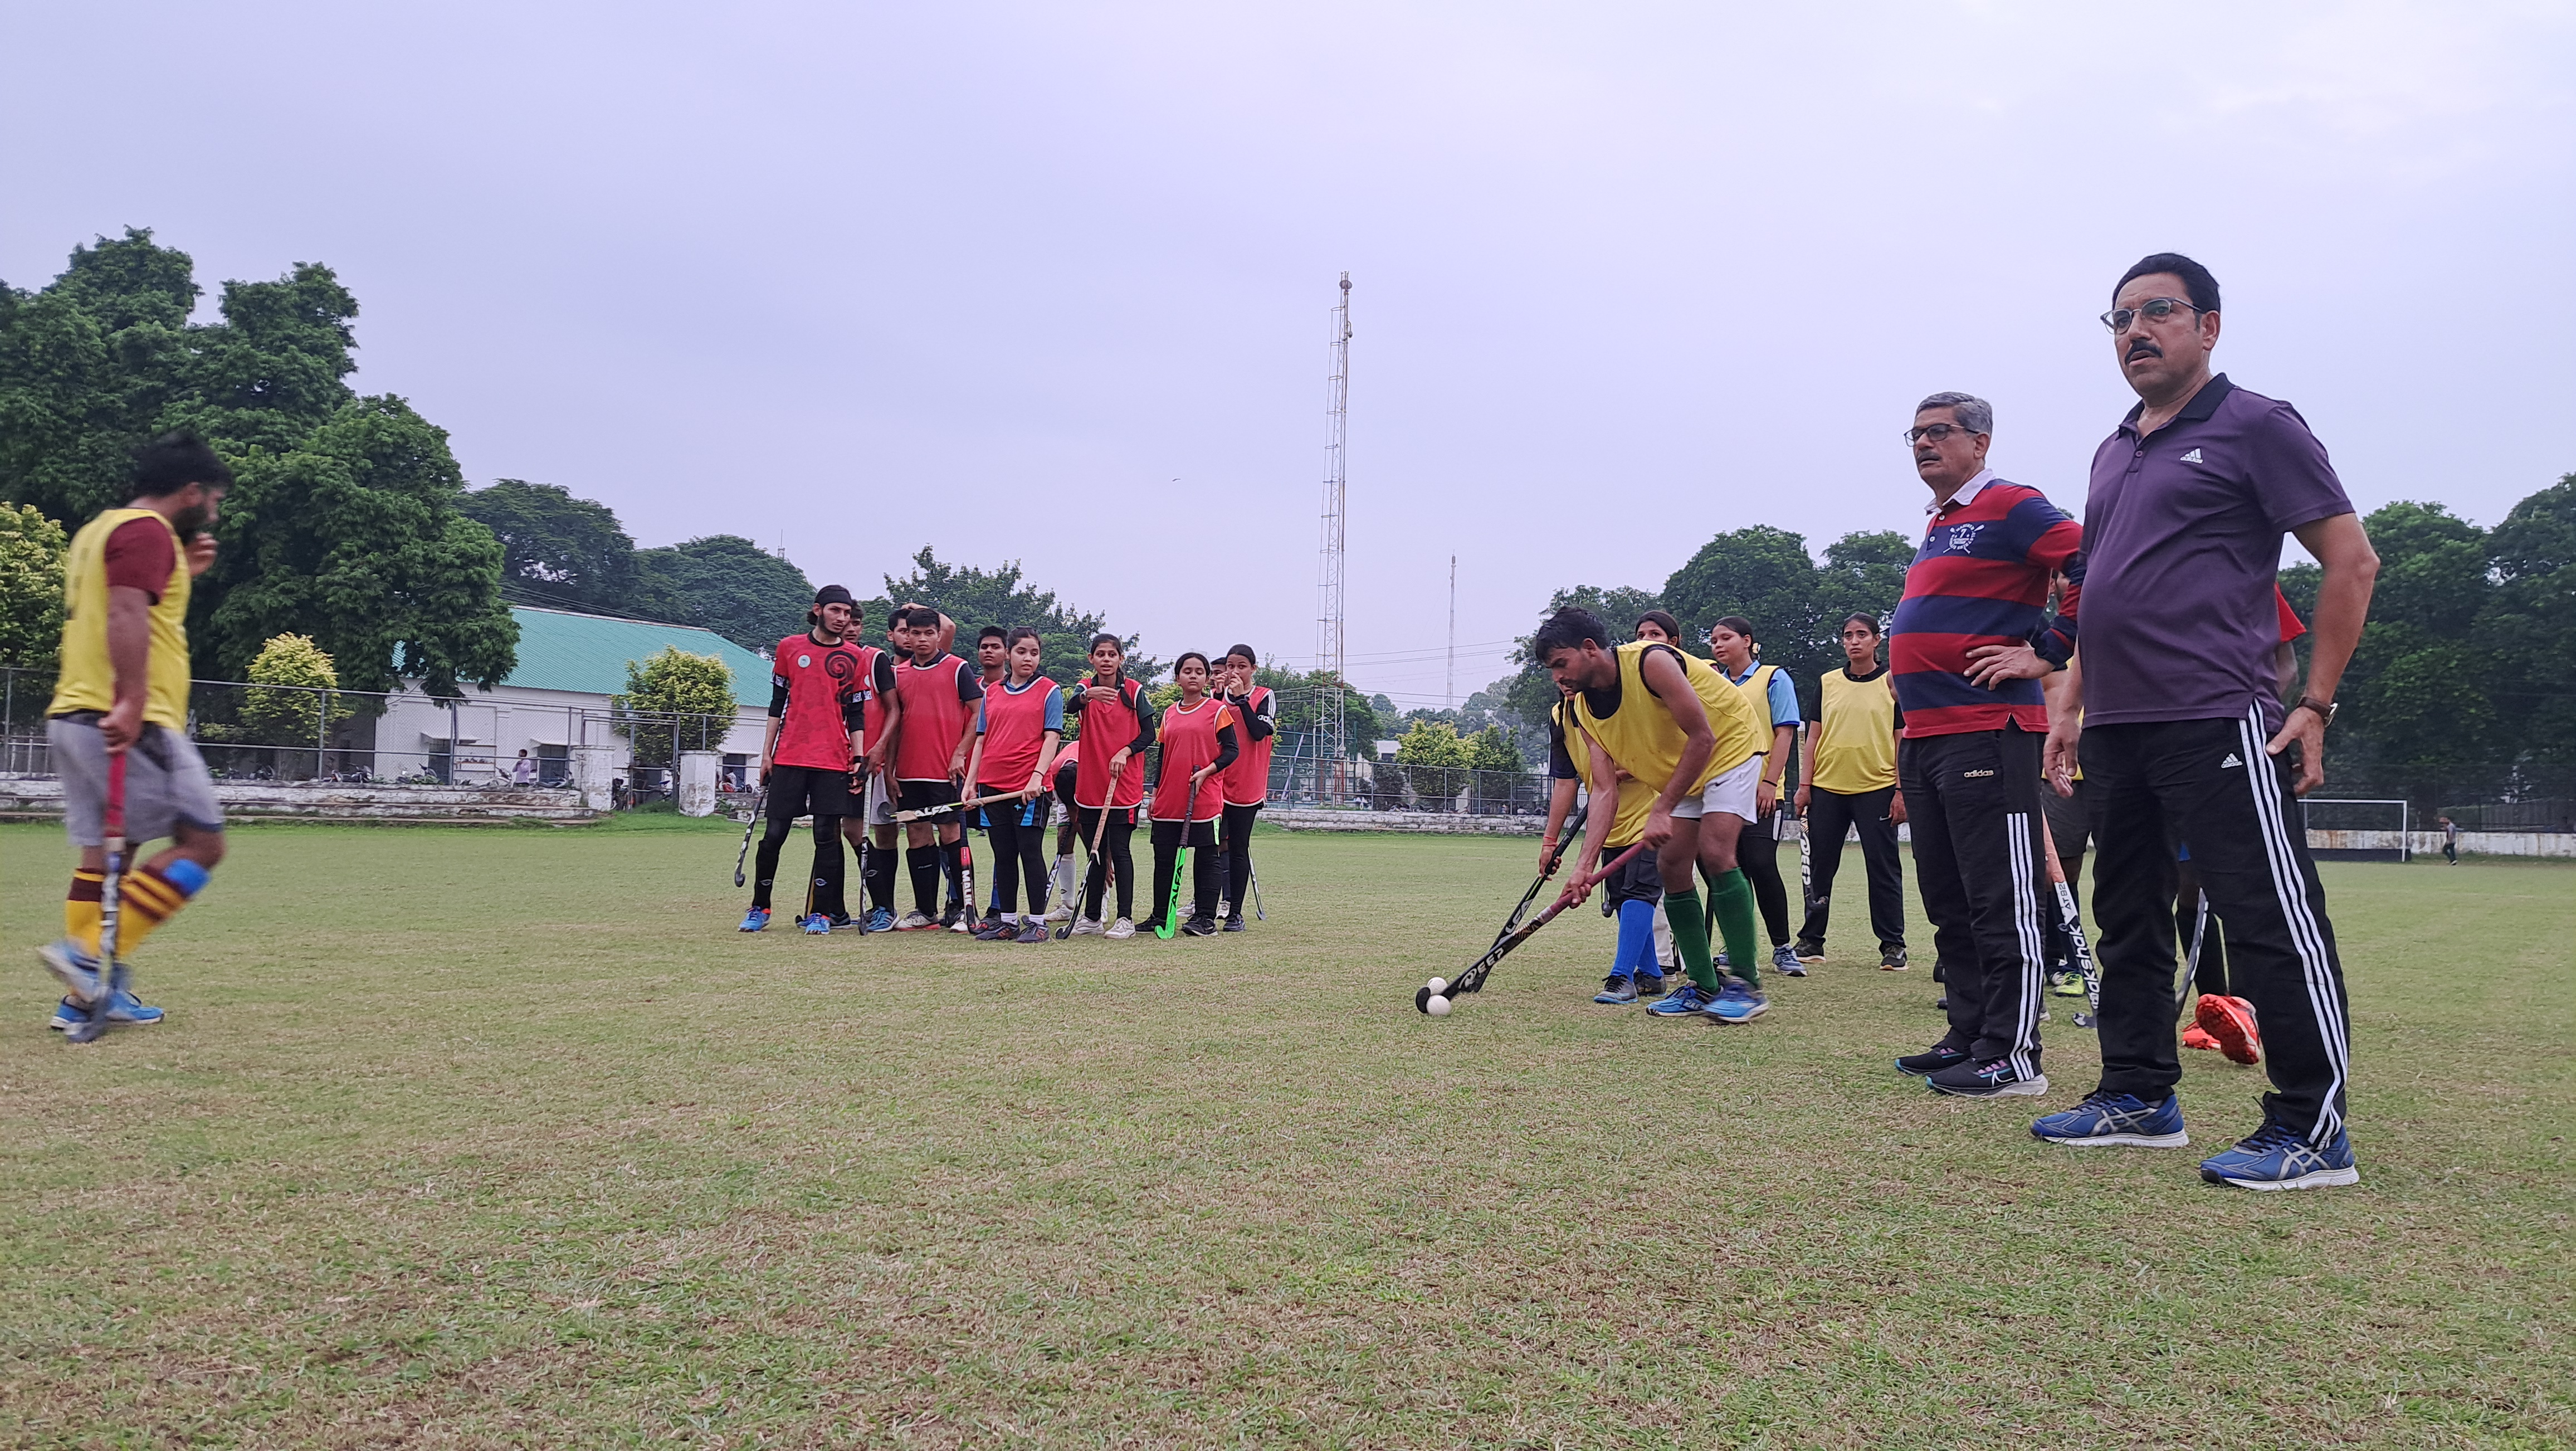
x=2193, y=1037
x=2231, y=1022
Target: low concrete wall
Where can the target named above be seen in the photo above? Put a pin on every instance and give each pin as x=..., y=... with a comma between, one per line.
x=2429, y=843
x=251, y=800
x=1317, y=818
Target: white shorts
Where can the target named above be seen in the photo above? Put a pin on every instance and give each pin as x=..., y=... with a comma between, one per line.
x=1731, y=792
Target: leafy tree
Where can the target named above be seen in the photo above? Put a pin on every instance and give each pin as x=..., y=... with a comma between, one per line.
x=353, y=538
x=1301, y=695
x=558, y=549
x=975, y=598
x=1765, y=575
x=2529, y=623
x=1492, y=749
x=31, y=597
x=678, y=697
x=727, y=584
x=342, y=524
x=296, y=716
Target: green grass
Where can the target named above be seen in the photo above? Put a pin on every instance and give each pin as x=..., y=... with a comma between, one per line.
x=503, y=1137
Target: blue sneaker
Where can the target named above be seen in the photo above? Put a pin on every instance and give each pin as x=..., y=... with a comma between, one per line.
x=1737, y=1002
x=755, y=919
x=122, y=1009
x=2119, y=1119
x=1616, y=992
x=2280, y=1157
x=1785, y=961
x=1682, y=1002
x=879, y=920
x=75, y=969
x=818, y=925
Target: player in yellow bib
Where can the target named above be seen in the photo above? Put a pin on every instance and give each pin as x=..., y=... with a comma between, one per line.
x=123, y=691
x=1674, y=723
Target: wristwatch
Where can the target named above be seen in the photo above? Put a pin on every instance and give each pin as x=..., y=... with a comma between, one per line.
x=2324, y=709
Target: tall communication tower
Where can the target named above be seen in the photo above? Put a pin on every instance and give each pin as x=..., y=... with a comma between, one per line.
x=1332, y=645
x=1453, y=632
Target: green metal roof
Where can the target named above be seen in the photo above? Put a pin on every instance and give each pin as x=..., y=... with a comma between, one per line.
x=560, y=650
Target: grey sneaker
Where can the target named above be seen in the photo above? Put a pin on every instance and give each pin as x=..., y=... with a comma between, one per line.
x=1087, y=927
x=1120, y=930
x=1784, y=961
x=1891, y=959
x=914, y=922
x=1616, y=991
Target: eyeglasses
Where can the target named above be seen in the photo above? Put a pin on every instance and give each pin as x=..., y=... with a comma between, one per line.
x=2154, y=309
x=1936, y=432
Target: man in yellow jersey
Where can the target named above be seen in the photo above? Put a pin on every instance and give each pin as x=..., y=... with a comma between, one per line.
x=1673, y=722
x=1633, y=894
x=124, y=692
x=1847, y=782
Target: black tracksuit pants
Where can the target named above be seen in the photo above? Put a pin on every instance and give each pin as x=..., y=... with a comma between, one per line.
x=1205, y=884
x=1757, y=854
x=1973, y=801
x=1831, y=814
x=2209, y=783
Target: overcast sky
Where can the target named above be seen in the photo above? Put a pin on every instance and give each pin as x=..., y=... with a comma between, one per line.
x=987, y=277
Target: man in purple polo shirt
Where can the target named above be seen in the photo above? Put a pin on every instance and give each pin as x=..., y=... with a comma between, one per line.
x=2183, y=738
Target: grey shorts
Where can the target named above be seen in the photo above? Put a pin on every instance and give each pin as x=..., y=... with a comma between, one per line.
x=880, y=807
x=166, y=785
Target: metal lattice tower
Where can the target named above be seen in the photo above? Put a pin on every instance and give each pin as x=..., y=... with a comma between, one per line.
x=1332, y=644
x=1452, y=691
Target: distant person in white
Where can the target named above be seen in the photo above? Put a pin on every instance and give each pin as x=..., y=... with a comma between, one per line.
x=523, y=772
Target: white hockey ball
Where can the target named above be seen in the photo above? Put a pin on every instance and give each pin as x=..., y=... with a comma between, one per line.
x=1438, y=985
x=1438, y=1007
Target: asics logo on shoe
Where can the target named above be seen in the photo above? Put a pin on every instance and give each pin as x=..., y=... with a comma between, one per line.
x=2231, y=762
x=2192, y=457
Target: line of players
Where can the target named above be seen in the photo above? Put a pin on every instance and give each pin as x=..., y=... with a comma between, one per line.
x=2172, y=710
x=909, y=738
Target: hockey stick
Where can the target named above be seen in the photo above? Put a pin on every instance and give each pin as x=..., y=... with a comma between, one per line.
x=110, y=891
x=1092, y=858
x=1573, y=831
x=967, y=912
x=1473, y=979
x=2074, y=930
x=1252, y=875
x=929, y=813
x=758, y=800
x=2191, y=963
x=1180, y=865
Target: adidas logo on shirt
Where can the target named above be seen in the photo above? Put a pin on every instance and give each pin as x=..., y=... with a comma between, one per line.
x=2193, y=457
x=2231, y=761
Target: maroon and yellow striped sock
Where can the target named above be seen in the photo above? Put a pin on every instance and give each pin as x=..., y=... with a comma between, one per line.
x=80, y=910
x=148, y=899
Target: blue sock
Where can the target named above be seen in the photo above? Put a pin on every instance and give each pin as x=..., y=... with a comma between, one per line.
x=1636, y=941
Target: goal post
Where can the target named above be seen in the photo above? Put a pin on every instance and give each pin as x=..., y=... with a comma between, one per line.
x=2352, y=830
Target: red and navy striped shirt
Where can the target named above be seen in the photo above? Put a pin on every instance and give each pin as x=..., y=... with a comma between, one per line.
x=1982, y=578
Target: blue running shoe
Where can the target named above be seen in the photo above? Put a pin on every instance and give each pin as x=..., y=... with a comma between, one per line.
x=879, y=920
x=755, y=919
x=2118, y=1119
x=77, y=970
x=123, y=1009
x=1785, y=961
x=818, y=925
x=1682, y=1002
x=2280, y=1157
x=1737, y=1002
x=1616, y=992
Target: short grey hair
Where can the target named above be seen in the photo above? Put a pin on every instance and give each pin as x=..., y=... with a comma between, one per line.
x=1975, y=414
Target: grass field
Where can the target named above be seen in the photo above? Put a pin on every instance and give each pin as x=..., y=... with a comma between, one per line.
x=503, y=1137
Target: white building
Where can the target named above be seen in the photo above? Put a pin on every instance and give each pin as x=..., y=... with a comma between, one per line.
x=554, y=705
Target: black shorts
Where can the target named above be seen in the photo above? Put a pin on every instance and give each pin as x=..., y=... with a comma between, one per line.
x=923, y=795
x=796, y=791
x=1638, y=881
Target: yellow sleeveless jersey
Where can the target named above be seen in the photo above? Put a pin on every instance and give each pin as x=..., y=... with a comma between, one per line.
x=1640, y=734
x=1856, y=743
x=88, y=680
x=1634, y=797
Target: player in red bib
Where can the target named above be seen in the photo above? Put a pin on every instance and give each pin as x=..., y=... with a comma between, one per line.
x=939, y=692
x=1199, y=743
x=1016, y=733
x=1118, y=724
x=813, y=739
x=1247, y=781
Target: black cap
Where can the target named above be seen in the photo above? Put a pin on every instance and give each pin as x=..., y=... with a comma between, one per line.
x=832, y=594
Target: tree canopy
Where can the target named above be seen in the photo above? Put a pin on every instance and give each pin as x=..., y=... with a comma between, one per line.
x=975, y=598
x=344, y=520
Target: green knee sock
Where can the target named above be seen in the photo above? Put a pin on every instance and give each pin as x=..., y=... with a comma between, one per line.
x=1730, y=901
x=1690, y=938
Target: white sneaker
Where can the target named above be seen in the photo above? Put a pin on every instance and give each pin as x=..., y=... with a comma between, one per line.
x=1058, y=912
x=1089, y=927
x=1122, y=928
x=913, y=922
